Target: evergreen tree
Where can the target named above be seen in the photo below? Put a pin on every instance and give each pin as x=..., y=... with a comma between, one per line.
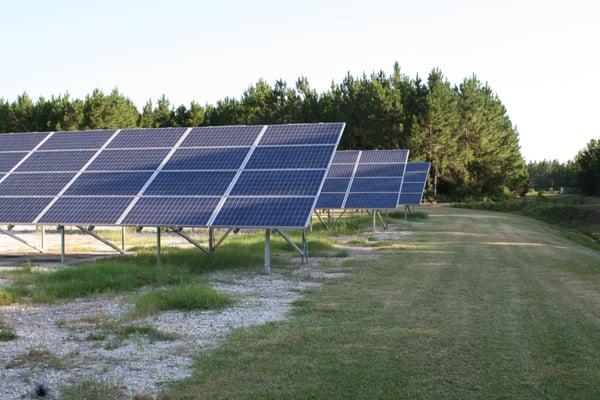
x=587, y=168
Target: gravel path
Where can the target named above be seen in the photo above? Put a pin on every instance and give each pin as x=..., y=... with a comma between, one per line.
x=138, y=366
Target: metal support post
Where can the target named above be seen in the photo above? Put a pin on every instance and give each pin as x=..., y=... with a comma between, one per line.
x=211, y=240
x=267, y=251
x=123, y=238
x=158, y=254
x=43, y=237
x=374, y=221
x=61, y=228
x=382, y=220
x=321, y=219
x=227, y=232
x=387, y=224
x=329, y=216
x=305, y=246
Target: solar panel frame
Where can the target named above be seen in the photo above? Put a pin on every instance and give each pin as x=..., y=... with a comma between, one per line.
x=415, y=181
x=375, y=172
x=289, y=157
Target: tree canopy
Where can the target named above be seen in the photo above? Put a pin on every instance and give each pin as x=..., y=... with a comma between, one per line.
x=464, y=130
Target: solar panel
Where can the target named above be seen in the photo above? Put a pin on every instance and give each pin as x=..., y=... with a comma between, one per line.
x=9, y=160
x=368, y=179
x=169, y=176
x=414, y=183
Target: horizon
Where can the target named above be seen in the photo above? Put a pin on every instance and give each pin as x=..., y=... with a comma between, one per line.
x=506, y=53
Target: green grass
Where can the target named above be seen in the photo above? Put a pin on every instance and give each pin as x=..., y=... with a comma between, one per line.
x=6, y=332
x=414, y=215
x=472, y=305
x=91, y=390
x=187, y=298
x=37, y=357
x=128, y=273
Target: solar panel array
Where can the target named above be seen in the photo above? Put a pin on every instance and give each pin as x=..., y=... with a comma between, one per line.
x=413, y=186
x=230, y=176
x=368, y=179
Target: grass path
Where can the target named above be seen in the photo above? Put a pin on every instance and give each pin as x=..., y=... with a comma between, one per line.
x=472, y=305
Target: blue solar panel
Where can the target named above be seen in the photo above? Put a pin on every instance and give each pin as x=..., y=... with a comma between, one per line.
x=415, y=177
x=340, y=170
x=330, y=200
x=372, y=200
x=86, y=210
x=74, y=140
x=376, y=185
x=278, y=183
x=147, y=138
x=208, y=158
x=379, y=170
x=384, y=156
x=290, y=157
x=34, y=184
x=345, y=157
x=302, y=134
x=172, y=211
x=108, y=184
x=410, y=198
x=9, y=160
x=21, y=210
x=205, y=183
x=20, y=141
x=335, y=185
x=46, y=161
x=265, y=212
x=211, y=136
x=417, y=167
x=413, y=187
x=128, y=160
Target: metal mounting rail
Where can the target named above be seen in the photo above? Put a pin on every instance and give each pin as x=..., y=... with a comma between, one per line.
x=294, y=246
x=101, y=239
x=192, y=241
x=21, y=240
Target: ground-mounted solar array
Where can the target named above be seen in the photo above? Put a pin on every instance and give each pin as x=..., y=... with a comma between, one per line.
x=413, y=186
x=229, y=176
x=368, y=179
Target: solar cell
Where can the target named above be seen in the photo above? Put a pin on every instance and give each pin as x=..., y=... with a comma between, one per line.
x=108, y=184
x=330, y=200
x=147, y=138
x=372, y=200
x=410, y=198
x=218, y=136
x=21, y=210
x=34, y=184
x=336, y=185
x=384, y=156
x=250, y=212
x=379, y=170
x=172, y=211
x=85, y=210
x=74, y=140
x=290, y=157
x=208, y=158
x=9, y=160
x=184, y=183
x=128, y=160
x=376, y=185
x=277, y=183
x=20, y=141
x=325, y=133
x=46, y=161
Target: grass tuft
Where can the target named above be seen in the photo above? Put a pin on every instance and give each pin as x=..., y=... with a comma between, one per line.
x=91, y=390
x=6, y=332
x=37, y=357
x=186, y=298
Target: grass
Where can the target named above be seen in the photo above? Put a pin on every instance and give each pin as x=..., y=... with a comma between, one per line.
x=91, y=390
x=6, y=332
x=576, y=217
x=128, y=273
x=37, y=357
x=472, y=305
x=187, y=298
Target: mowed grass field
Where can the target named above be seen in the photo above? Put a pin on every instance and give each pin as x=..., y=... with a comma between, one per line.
x=471, y=305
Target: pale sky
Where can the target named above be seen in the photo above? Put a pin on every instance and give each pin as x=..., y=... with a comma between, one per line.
x=541, y=57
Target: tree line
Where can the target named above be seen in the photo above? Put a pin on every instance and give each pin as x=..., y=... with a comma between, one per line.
x=464, y=129
x=581, y=174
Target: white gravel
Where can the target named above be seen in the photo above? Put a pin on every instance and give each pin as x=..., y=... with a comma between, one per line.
x=138, y=366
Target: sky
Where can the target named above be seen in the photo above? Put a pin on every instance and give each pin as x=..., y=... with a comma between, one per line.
x=542, y=58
